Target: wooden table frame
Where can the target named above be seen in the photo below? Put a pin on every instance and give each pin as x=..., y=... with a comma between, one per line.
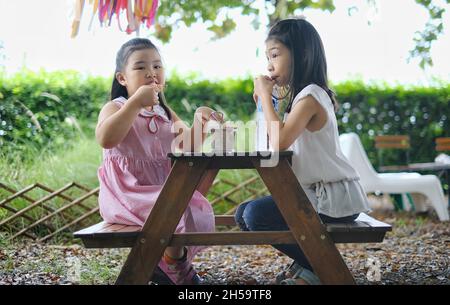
x=190, y=172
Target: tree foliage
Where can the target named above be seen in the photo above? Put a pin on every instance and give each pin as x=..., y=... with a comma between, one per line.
x=173, y=13
x=433, y=28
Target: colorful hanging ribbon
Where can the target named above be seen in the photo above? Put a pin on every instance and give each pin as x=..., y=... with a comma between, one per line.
x=138, y=12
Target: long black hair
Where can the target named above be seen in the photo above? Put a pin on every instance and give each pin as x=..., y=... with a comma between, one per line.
x=124, y=53
x=309, y=65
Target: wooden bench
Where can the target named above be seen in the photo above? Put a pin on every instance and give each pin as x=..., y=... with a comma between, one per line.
x=442, y=144
x=364, y=229
x=382, y=143
x=190, y=172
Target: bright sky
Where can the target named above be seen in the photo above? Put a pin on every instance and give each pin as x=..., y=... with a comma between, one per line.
x=36, y=34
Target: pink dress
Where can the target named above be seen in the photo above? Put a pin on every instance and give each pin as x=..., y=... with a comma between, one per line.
x=132, y=174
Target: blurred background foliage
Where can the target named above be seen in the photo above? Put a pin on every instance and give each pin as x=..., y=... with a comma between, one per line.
x=46, y=110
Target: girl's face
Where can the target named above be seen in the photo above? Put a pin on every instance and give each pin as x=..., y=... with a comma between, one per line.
x=143, y=67
x=279, y=62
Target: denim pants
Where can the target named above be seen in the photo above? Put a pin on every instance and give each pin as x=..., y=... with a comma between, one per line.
x=263, y=215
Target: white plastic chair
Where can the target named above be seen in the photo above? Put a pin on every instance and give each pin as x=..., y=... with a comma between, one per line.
x=392, y=183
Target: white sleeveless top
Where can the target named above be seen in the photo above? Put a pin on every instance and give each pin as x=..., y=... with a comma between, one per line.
x=329, y=180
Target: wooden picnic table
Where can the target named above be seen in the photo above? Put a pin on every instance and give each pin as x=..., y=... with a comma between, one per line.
x=190, y=172
x=186, y=174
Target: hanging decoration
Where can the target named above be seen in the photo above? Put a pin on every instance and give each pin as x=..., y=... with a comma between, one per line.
x=138, y=12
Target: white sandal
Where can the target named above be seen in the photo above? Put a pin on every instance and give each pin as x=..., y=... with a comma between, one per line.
x=302, y=273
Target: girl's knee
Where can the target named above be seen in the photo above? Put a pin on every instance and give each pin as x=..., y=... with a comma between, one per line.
x=238, y=216
x=239, y=212
x=262, y=215
x=254, y=217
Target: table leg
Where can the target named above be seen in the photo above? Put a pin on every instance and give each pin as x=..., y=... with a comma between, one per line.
x=447, y=173
x=162, y=221
x=305, y=224
x=207, y=180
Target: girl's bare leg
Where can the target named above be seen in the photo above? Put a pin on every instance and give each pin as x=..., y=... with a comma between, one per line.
x=175, y=252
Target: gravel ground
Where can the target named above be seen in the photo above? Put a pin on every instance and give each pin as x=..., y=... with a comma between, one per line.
x=416, y=252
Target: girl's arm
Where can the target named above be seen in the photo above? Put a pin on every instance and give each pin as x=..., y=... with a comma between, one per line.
x=200, y=119
x=114, y=123
x=180, y=127
x=282, y=135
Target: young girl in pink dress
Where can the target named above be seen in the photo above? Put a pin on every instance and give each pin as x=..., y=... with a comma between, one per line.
x=134, y=129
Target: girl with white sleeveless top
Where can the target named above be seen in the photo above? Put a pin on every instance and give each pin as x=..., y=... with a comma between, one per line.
x=296, y=61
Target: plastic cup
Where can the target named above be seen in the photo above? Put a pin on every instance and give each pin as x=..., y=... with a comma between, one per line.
x=223, y=139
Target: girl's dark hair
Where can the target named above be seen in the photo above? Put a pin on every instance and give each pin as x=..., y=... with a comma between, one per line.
x=124, y=53
x=309, y=65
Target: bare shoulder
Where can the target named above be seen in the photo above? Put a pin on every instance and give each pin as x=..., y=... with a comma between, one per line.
x=307, y=103
x=107, y=110
x=312, y=111
x=110, y=107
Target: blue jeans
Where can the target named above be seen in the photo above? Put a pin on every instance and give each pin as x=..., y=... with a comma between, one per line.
x=263, y=215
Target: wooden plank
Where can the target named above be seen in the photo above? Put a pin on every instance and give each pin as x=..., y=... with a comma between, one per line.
x=442, y=147
x=233, y=238
x=13, y=210
x=337, y=227
x=358, y=226
x=60, y=210
x=211, y=156
x=130, y=229
x=35, y=204
x=102, y=228
x=128, y=239
x=392, y=145
x=429, y=166
x=113, y=228
x=23, y=196
x=395, y=168
x=392, y=138
x=395, y=141
x=73, y=222
x=364, y=224
x=233, y=160
x=207, y=181
x=61, y=195
x=225, y=220
x=92, y=229
x=442, y=141
x=358, y=237
x=305, y=224
x=16, y=194
x=155, y=236
x=233, y=190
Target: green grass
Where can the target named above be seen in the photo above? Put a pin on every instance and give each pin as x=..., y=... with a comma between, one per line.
x=56, y=168
x=79, y=162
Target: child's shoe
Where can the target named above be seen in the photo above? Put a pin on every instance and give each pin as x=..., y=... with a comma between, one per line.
x=180, y=272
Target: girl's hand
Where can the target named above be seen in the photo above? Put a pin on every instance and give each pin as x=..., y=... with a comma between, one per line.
x=147, y=95
x=263, y=87
x=206, y=114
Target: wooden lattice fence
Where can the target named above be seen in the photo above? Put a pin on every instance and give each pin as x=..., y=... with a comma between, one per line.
x=40, y=213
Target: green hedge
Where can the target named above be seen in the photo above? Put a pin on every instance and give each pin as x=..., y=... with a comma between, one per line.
x=422, y=113
x=369, y=110
x=35, y=108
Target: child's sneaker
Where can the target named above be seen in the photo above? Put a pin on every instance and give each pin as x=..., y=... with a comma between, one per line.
x=180, y=272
